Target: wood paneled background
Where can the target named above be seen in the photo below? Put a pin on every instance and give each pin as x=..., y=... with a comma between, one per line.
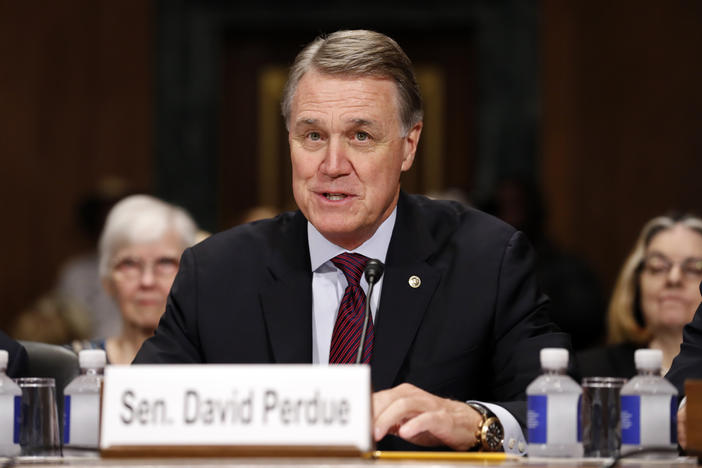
x=622, y=121
x=76, y=105
x=617, y=140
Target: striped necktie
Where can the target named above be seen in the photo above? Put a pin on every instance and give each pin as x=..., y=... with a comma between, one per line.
x=349, y=320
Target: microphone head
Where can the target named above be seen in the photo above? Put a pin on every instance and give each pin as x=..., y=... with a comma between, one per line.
x=373, y=270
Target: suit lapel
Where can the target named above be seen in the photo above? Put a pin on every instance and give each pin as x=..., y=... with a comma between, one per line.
x=287, y=302
x=403, y=303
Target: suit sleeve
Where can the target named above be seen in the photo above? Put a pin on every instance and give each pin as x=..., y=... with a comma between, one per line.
x=176, y=339
x=522, y=327
x=688, y=364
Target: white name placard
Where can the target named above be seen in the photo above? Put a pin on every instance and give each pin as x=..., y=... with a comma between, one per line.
x=236, y=405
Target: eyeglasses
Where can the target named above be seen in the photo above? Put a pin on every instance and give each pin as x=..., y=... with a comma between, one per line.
x=657, y=265
x=130, y=268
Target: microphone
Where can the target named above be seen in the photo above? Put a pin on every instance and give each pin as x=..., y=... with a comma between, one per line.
x=373, y=272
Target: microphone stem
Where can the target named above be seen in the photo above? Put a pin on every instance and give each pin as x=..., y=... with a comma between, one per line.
x=362, y=341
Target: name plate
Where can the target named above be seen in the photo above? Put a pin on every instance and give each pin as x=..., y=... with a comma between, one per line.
x=244, y=409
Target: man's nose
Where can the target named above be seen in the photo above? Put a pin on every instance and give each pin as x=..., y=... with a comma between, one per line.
x=335, y=162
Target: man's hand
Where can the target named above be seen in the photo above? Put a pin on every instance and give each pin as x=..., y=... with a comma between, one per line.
x=682, y=431
x=424, y=419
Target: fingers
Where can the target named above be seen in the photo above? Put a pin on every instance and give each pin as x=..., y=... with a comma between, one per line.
x=393, y=407
x=439, y=427
x=424, y=419
x=384, y=398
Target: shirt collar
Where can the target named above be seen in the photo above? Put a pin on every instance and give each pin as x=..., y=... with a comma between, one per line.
x=321, y=250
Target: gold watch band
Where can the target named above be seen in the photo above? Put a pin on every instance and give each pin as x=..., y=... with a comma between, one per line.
x=490, y=434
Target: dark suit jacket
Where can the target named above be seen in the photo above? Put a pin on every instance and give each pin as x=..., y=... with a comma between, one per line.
x=688, y=363
x=17, y=359
x=472, y=330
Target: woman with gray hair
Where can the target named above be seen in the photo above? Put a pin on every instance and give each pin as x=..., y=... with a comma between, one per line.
x=139, y=252
x=655, y=296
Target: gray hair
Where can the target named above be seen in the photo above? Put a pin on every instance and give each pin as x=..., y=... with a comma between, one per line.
x=358, y=53
x=140, y=219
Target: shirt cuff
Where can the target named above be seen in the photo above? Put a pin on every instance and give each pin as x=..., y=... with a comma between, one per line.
x=514, y=442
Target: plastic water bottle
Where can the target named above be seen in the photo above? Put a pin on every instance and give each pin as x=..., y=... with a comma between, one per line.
x=553, y=409
x=10, y=406
x=81, y=409
x=649, y=407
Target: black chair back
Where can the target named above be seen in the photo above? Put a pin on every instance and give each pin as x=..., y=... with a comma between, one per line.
x=49, y=360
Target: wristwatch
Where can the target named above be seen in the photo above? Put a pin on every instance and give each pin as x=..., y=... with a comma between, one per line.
x=490, y=433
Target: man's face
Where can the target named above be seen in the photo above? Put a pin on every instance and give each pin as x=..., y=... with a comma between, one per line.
x=348, y=151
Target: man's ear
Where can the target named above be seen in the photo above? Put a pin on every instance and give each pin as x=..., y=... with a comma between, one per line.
x=410, y=146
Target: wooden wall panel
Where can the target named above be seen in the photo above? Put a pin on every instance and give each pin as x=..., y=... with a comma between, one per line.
x=622, y=139
x=75, y=106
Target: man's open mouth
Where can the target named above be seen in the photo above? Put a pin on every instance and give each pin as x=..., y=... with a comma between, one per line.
x=334, y=196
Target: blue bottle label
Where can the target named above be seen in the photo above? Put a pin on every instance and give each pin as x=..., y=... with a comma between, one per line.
x=67, y=419
x=16, y=422
x=631, y=419
x=537, y=414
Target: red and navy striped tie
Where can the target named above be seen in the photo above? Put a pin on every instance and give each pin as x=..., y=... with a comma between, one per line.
x=349, y=321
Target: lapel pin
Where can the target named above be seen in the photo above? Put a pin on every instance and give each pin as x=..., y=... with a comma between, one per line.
x=414, y=281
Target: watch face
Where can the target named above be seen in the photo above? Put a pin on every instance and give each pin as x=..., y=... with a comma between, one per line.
x=494, y=434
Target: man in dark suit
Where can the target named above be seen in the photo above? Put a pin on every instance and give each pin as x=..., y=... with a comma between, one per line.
x=457, y=315
x=687, y=365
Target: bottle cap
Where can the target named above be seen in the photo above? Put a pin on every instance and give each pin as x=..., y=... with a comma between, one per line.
x=648, y=359
x=554, y=358
x=92, y=358
x=3, y=359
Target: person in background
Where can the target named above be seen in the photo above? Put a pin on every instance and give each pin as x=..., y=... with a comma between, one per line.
x=256, y=213
x=451, y=193
x=78, y=281
x=577, y=303
x=52, y=318
x=139, y=252
x=655, y=296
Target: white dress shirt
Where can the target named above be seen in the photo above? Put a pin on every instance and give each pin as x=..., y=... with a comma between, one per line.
x=328, y=286
x=329, y=282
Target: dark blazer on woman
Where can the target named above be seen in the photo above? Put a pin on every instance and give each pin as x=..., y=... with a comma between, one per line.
x=472, y=329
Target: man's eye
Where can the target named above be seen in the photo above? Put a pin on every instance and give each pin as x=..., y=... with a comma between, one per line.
x=362, y=136
x=314, y=136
